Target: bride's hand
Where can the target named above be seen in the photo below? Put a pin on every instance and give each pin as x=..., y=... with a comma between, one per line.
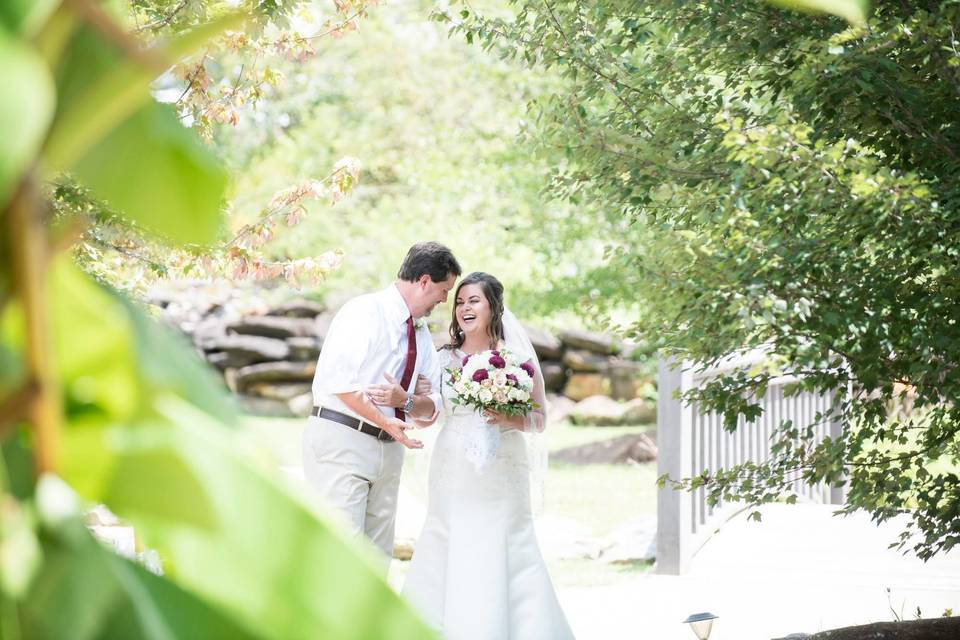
x=496, y=418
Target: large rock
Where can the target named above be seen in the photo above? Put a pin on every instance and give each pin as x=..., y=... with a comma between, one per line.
x=554, y=376
x=558, y=407
x=596, y=342
x=583, y=385
x=633, y=542
x=299, y=308
x=547, y=345
x=275, y=372
x=928, y=629
x=585, y=361
x=274, y=326
x=598, y=410
x=304, y=348
x=639, y=411
x=632, y=448
x=224, y=360
x=604, y=411
x=624, y=378
x=277, y=391
x=254, y=348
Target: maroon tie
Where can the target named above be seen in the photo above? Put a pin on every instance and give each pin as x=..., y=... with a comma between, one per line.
x=408, y=366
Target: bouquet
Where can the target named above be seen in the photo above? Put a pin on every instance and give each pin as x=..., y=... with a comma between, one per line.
x=494, y=380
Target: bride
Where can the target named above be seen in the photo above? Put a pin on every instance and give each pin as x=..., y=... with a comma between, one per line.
x=477, y=572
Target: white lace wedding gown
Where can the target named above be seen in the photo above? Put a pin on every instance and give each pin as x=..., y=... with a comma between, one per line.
x=477, y=572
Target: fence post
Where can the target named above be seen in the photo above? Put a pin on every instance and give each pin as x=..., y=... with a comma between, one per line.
x=674, y=432
x=838, y=495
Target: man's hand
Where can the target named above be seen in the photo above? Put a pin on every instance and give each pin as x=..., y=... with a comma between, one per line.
x=396, y=428
x=423, y=387
x=388, y=395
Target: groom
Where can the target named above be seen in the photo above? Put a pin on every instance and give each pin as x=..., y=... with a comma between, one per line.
x=363, y=393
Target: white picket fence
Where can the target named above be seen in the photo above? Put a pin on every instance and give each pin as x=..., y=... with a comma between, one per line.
x=690, y=442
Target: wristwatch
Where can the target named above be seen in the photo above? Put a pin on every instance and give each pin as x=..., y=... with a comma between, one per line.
x=408, y=405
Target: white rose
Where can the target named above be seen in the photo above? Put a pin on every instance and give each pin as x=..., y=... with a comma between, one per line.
x=518, y=395
x=500, y=396
x=500, y=377
x=486, y=396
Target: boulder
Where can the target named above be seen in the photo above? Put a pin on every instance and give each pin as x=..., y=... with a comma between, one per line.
x=273, y=326
x=254, y=348
x=547, y=345
x=584, y=385
x=583, y=360
x=926, y=629
x=598, y=410
x=554, y=375
x=624, y=378
x=596, y=342
x=558, y=407
x=298, y=308
x=224, y=360
x=277, y=391
x=640, y=411
x=205, y=330
x=632, y=448
x=304, y=348
x=633, y=542
x=275, y=372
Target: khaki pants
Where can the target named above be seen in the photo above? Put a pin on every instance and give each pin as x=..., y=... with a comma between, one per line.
x=357, y=474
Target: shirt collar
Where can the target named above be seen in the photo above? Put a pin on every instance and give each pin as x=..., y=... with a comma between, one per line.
x=395, y=308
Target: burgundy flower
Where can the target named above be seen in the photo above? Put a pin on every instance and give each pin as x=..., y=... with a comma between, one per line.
x=480, y=375
x=496, y=353
x=497, y=361
x=512, y=378
x=464, y=363
x=528, y=367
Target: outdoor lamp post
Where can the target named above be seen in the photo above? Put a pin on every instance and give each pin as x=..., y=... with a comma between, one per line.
x=701, y=623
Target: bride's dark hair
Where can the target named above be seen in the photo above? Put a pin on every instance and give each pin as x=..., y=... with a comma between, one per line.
x=493, y=292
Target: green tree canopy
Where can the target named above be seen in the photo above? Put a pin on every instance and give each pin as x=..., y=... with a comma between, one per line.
x=775, y=179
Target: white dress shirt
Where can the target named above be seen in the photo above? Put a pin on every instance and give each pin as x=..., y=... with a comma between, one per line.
x=368, y=337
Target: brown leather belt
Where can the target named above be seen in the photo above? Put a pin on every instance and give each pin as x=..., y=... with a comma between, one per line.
x=353, y=423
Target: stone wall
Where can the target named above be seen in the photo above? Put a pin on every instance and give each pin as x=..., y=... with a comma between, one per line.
x=268, y=353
